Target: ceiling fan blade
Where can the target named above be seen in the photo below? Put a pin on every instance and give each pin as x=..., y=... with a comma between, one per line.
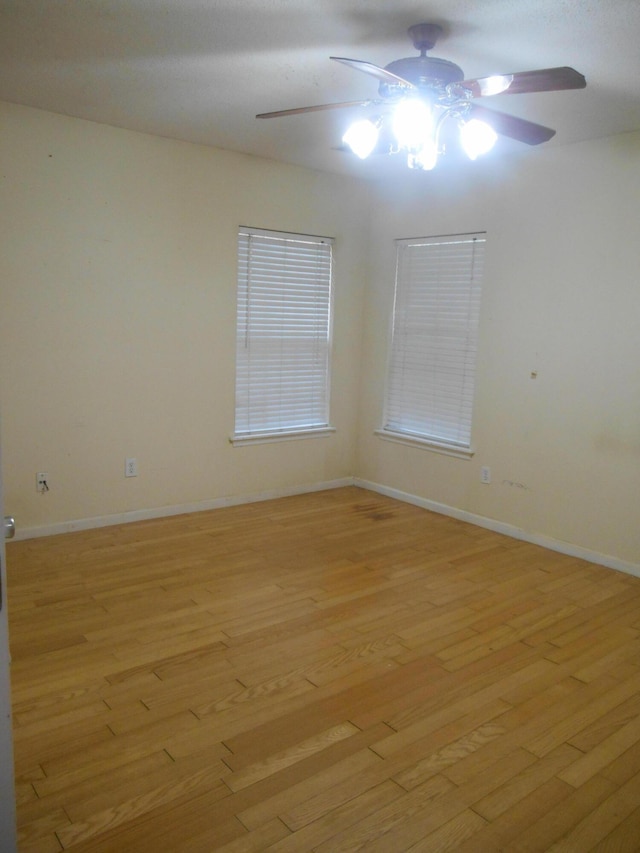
x=374, y=71
x=512, y=126
x=522, y=82
x=297, y=110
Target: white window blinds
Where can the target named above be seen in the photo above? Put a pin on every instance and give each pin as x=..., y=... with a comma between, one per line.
x=283, y=333
x=431, y=376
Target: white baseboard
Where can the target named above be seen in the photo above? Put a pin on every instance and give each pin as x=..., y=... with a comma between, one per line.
x=507, y=529
x=181, y=509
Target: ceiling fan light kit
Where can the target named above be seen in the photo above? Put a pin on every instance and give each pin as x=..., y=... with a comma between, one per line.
x=420, y=95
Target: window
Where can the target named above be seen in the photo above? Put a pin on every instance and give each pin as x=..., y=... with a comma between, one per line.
x=283, y=335
x=430, y=384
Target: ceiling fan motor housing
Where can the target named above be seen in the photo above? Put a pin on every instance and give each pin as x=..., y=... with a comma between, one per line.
x=425, y=72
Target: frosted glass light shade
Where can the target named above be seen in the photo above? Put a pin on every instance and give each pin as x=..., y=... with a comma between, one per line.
x=477, y=138
x=361, y=137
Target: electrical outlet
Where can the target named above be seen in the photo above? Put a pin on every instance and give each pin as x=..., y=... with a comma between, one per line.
x=42, y=482
x=131, y=467
x=485, y=474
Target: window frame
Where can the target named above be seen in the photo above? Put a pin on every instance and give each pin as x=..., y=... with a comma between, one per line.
x=264, y=433
x=461, y=446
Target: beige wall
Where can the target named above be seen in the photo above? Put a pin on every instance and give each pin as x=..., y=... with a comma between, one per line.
x=117, y=317
x=117, y=328
x=561, y=298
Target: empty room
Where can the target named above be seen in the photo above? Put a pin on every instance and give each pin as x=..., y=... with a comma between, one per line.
x=320, y=426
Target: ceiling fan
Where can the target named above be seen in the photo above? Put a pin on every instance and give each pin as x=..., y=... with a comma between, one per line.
x=423, y=93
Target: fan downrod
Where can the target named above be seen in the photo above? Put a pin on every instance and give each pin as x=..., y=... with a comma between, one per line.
x=424, y=72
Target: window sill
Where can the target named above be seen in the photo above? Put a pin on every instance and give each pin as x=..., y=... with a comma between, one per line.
x=271, y=437
x=426, y=444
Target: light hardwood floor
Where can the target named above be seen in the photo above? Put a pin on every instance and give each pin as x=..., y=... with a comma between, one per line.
x=331, y=672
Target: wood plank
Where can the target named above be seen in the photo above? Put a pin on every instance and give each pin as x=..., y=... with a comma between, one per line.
x=422, y=807
x=284, y=801
x=562, y=816
x=624, y=838
x=325, y=829
x=604, y=819
x=274, y=763
x=451, y=834
x=522, y=784
x=329, y=671
x=603, y=754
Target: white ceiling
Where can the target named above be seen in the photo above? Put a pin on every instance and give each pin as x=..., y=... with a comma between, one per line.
x=199, y=70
